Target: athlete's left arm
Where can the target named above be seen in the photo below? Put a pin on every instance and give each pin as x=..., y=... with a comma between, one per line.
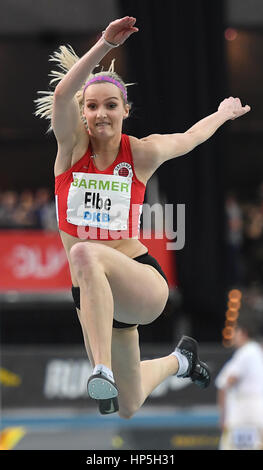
x=159, y=148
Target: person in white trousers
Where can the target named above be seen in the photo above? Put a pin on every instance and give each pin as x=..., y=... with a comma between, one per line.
x=240, y=390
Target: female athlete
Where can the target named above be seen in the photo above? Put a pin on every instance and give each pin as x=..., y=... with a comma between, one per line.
x=100, y=180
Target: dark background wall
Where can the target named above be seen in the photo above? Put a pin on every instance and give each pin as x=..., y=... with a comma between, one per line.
x=183, y=66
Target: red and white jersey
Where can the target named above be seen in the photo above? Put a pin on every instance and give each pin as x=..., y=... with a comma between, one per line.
x=100, y=205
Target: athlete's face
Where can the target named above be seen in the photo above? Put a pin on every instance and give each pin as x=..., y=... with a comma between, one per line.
x=104, y=109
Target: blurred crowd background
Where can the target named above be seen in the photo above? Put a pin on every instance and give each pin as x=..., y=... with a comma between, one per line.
x=35, y=210
x=244, y=239
x=28, y=210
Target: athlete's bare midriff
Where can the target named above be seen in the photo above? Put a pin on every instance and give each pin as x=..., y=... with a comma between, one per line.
x=131, y=247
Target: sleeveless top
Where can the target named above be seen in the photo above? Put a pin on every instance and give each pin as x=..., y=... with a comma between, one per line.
x=100, y=205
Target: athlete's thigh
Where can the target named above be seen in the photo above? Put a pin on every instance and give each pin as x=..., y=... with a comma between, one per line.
x=138, y=289
x=126, y=368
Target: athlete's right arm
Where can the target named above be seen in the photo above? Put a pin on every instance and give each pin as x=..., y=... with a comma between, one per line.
x=66, y=119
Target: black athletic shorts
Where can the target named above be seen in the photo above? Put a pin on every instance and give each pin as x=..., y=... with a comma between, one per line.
x=145, y=259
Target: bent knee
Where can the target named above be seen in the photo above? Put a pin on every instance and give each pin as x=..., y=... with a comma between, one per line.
x=79, y=252
x=83, y=255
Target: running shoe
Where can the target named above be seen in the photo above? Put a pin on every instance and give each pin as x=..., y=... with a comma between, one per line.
x=102, y=389
x=108, y=406
x=197, y=371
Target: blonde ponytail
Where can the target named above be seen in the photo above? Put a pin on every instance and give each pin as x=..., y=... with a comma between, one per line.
x=65, y=57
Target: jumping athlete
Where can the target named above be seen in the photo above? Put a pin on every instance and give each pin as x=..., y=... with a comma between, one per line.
x=100, y=180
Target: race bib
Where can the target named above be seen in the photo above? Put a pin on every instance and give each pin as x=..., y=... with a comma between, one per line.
x=245, y=438
x=98, y=200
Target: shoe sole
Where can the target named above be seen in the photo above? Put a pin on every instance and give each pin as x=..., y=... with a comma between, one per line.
x=100, y=388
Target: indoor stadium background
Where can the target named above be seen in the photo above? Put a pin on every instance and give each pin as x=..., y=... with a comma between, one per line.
x=185, y=60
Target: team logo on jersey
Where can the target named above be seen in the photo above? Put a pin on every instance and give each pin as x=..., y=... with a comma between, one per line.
x=123, y=169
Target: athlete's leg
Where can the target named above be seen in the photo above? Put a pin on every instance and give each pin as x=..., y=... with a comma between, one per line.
x=135, y=379
x=110, y=281
x=96, y=306
x=86, y=340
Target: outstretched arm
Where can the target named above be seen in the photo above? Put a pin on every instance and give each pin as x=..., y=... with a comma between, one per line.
x=116, y=33
x=159, y=148
x=66, y=119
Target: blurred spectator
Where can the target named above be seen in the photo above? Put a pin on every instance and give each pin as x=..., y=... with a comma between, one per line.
x=45, y=210
x=28, y=210
x=8, y=204
x=240, y=390
x=24, y=214
x=234, y=240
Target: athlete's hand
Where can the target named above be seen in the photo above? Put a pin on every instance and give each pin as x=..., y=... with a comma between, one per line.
x=233, y=108
x=119, y=30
